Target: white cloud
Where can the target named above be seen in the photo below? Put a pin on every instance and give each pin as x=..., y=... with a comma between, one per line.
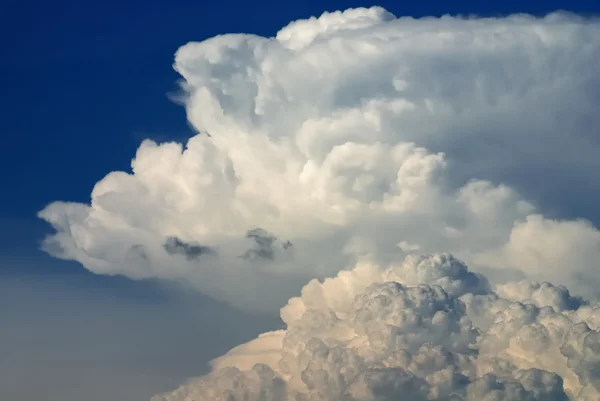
x=349, y=142
x=409, y=331
x=345, y=136
x=566, y=252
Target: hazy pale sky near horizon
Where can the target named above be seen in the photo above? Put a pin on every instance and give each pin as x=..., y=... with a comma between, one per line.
x=85, y=83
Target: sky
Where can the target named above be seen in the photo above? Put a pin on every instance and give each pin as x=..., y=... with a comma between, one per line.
x=85, y=83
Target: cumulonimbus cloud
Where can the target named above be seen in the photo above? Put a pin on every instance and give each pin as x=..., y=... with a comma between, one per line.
x=356, y=140
x=347, y=138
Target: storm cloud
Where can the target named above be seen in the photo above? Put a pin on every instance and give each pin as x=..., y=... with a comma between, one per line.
x=421, y=168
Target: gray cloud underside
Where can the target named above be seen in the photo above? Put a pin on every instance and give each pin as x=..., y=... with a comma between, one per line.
x=175, y=246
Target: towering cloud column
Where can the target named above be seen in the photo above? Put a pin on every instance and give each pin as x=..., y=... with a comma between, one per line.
x=346, y=146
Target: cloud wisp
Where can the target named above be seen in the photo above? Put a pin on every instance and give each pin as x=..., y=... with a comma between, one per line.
x=346, y=146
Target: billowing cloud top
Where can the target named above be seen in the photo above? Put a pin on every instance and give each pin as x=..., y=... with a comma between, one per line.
x=354, y=141
x=423, y=329
x=355, y=136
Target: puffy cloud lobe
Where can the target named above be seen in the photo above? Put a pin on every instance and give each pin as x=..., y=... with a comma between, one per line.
x=545, y=248
x=385, y=339
x=356, y=137
x=540, y=294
